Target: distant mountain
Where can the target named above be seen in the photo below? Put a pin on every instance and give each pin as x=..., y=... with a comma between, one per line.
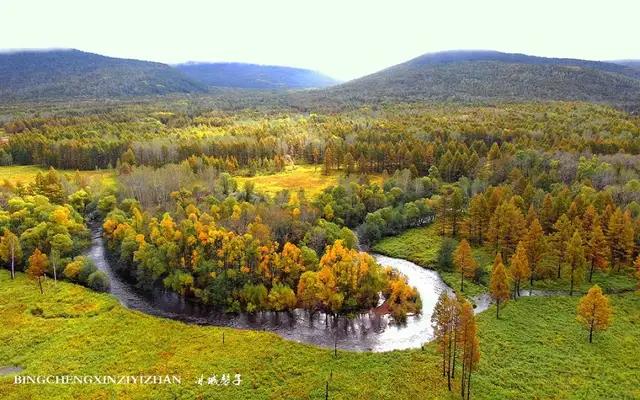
x=76, y=74
x=629, y=63
x=491, y=75
x=252, y=76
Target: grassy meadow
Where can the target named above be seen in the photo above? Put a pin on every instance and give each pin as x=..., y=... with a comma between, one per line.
x=421, y=246
x=536, y=350
x=26, y=174
x=307, y=177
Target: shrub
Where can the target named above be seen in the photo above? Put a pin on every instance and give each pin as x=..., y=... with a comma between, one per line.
x=98, y=281
x=73, y=268
x=445, y=254
x=88, y=267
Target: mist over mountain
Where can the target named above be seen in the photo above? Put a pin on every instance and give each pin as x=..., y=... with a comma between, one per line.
x=629, y=63
x=445, y=76
x=253, y=76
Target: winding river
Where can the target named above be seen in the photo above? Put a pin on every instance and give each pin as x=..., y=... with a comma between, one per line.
x=366, y=332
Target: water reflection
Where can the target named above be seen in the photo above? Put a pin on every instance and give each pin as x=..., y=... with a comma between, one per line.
x=366, y=332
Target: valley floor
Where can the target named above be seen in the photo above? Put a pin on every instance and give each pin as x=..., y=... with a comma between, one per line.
x=536, y=350
x=421, y=246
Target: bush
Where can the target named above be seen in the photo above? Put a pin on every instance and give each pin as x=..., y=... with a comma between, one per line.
x=445, y=254
x=72, y=270
x=88, y=268
x=98, y=281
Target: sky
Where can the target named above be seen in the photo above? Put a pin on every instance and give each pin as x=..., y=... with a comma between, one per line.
x=344, y=39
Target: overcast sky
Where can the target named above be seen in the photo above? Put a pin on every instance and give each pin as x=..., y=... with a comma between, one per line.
x=342, y=38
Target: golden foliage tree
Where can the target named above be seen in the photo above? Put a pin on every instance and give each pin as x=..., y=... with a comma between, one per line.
x=637, y=265
x=620, y=236
x=594, y=311
x=506, y=228
x=475, y=226
x=466, y=265
x=536, y=246
x=520, y=270
x=445, y=321
x=597, y=250
x=469, y=345
x=575, y=261
x=563, y=230
x=499, y=285
x=38, y=262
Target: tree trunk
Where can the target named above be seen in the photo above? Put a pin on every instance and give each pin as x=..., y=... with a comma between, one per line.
x=55, y=276
x=455, y=349
x=444, y=364
x=531, y=282
x=462, y=381
x=448, y=351
x=13, y=261
x=498, y=309
x=571, y=287
x=469, y=386
x=591, y=271
x=461, y=279
x=40, y=284
x=591, y=333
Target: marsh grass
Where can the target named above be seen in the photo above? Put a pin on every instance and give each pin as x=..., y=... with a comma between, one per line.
x=307, y=177
x=26, y=174
x=536, y=350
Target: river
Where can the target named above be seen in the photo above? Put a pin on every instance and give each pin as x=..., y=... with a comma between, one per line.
x=366, y=332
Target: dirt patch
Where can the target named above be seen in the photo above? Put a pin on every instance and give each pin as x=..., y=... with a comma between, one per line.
x=10, y=370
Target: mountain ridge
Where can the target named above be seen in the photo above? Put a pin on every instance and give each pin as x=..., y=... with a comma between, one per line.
x=256, y=76
x=473, y=75
x=71, y=73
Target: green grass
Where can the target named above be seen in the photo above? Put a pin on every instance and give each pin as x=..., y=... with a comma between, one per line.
x=418, y=245
x=536, y=350
x=101, y=337
x=27, y=173
x=613, y=282
x=421, y=246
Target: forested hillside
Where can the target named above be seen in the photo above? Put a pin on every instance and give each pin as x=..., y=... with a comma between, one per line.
x=629, y=63
x=73, y=74
x=240, y=75
x=493, y=76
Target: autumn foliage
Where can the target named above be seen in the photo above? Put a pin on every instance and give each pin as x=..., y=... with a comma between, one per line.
x=594, y=311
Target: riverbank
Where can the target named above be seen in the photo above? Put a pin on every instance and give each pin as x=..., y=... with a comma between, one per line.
x=421, y=246
x=83, y=332
x=368, y=331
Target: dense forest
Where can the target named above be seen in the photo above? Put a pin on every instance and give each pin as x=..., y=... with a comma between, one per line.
x=548, y=193
x=444, y=77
